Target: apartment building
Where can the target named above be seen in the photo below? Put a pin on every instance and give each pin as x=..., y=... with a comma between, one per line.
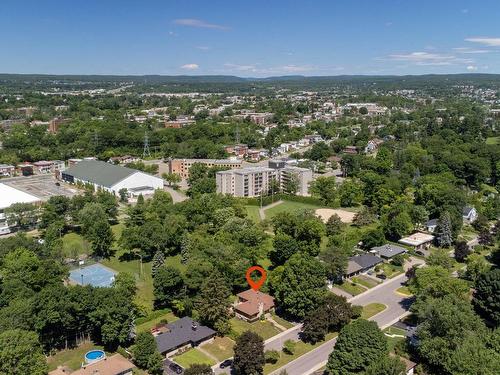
x=181, y=166
x=246, y=182
x=254, y=181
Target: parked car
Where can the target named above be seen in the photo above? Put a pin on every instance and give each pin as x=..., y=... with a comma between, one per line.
x=418, y=252
x=226, y=363
x=381, y=276
x=176, y=368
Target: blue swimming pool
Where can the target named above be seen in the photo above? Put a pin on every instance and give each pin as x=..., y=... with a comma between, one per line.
x=94, y=355
x=95, y=275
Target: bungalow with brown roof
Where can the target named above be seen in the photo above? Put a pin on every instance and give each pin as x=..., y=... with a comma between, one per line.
x=252, y=305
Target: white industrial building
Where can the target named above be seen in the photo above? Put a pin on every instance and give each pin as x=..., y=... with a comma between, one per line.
x=8, y=197
x=112, y=178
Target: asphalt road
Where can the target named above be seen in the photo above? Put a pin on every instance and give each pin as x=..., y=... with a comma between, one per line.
x=397, y=306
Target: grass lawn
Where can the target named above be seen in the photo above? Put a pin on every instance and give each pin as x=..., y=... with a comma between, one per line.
x=493, y=141
x=149, y=322
x=192, y=357
x=390, y=270
x=393, y=341
x=288, y=206
x=221, y=348
x=351, y=288
x=404, y=290
x=301, y=348
x=74, y=245
x=253, y=213
x=262, y=328
x=365, y=281
x=467, y=233
x=281, y=321
x=372, y=309
x=72, y=358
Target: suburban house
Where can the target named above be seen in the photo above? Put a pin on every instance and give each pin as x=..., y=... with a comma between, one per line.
x=431, y=225
x=418, y=240
x=361, y=263
x=181, y=334
x=387, y=251
x=252, y=305
x=114, y=365
x=373, y=145
x=112, y=178
x=469, y=214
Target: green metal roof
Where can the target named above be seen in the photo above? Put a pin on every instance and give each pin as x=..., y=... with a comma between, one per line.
x=99, y=172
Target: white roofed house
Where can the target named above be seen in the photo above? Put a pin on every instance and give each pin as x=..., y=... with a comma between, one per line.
x=469, y=214
x=112, y=178
x=418, y=240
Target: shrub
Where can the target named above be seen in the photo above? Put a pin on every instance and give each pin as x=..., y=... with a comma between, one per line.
x=272, y=356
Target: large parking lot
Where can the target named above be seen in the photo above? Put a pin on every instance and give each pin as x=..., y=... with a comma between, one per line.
x=41, y=186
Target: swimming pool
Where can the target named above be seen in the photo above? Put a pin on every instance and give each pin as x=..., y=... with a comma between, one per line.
x=94, y=355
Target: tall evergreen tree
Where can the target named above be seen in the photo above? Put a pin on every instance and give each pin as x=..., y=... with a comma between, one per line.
x=444, y=230
x=158, y=261
x=214, y=303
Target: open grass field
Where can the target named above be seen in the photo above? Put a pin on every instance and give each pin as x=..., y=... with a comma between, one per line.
x=372, y=309
x=71, y=358
x=253, y=213
x=221, y=348
x=301, y=348
x=262, y=328
x=74, y=245
x=493, y=141
x=192, y=357
x=288, y=206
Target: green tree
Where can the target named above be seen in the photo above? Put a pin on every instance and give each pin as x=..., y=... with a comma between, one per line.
x=214, y=303
x=476, y=267
x=291, y=184
x=125, y=282
x=487, y=296
x=334, y=225
x=350, y=193
x=249, y=357
x=157, y=263
x=272, y=356
x=144, y=348
x=96, y=229
x=167, y=285
x=462, y=250
x=171, y=178
x=387, y=366
x=436, y=282
x=441, y=258
x=359, y=345
x=21, y=353
x=444, y=230
x=396, y=224
x=155, y=364
x=335, y=259
x=284, y=246
x=299, y=285
x=325, y=189
x=373, y=238
x=22, y=215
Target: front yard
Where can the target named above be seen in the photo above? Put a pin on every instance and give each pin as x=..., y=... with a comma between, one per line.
x=192, y=357
x=221, y=348
x=389, y=270
x=351, y=288
x=372, y=309
x=262, y=327
x=365, y=281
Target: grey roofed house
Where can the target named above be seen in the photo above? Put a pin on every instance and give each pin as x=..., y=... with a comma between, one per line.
x=184, y=331
x=98, y=172
x=364, y=262
x=388, y=250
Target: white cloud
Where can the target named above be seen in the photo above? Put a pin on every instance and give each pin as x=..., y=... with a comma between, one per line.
x=471, y=68
x=193, y=22
x=470, y=50
x=242, y=68
x=486, y=41
x=429, y=59
x=203, y=48
x=190, y=66
x=296, y=68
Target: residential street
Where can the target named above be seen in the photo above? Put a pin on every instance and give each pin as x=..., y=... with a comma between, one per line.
x=397, y=306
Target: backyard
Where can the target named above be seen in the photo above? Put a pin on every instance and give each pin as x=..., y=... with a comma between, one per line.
x=71, y=358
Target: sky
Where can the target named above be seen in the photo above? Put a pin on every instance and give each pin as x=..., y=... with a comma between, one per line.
x=254, y=38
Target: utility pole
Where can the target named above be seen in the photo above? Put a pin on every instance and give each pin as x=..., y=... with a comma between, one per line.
x=146, y=152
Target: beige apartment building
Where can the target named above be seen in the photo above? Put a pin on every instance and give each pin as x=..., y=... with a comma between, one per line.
x=181, y=166
x=245, y=182
x=254, y=181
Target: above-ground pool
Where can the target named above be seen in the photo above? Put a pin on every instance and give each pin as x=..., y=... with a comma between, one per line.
x=95, y=275
x=94, y=355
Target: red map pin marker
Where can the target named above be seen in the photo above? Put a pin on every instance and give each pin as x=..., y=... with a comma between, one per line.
x=255, y=285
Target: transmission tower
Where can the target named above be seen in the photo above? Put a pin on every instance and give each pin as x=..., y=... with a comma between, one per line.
x=146, y=152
